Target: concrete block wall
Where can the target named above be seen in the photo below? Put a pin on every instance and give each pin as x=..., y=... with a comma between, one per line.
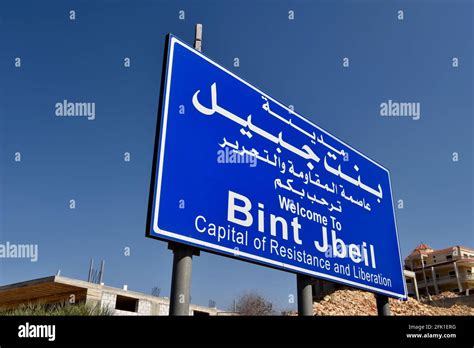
x=164, y=309
x=108, y=300
x=144, y=307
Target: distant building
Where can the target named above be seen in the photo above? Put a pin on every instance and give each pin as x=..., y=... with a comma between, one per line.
x=450, y=269
x=56, y=289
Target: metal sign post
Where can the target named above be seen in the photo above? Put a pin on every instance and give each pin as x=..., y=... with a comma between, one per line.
x=305, y=295
x=383, y=306
x=181, y=278
x=182, y=254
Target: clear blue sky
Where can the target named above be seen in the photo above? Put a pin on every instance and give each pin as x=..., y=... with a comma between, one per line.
x=299, y=62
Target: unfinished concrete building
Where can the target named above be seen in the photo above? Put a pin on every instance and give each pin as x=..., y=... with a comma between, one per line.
x=56, y=290
x=449, y=269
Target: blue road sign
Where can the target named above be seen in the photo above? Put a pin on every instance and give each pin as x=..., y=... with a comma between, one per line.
x=240, y=174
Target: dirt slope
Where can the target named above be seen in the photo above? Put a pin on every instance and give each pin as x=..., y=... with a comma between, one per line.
x=355, y=302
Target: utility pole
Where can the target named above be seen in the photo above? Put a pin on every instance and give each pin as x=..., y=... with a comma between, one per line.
x=183, y=254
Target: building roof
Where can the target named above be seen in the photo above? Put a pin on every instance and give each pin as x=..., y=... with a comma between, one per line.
x=426, y=249
x=48, y=289
x=421, y=249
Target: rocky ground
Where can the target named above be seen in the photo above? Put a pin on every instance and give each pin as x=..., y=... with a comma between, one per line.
x=355, y=302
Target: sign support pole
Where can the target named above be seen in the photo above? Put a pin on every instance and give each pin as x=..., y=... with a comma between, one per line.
x=198, y=37
x=383, y=306
x=181, y=278
x=305, y=295
x=180, y=297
